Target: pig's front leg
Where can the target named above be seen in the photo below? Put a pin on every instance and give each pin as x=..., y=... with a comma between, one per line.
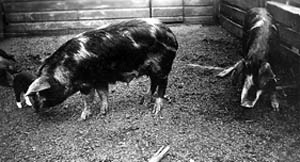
x=88, y=101
x=274, y=101
x=103, y=94
x=162, y=85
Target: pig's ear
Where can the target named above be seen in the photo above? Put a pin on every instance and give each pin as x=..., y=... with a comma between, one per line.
x=266, y=70
x=38, y=85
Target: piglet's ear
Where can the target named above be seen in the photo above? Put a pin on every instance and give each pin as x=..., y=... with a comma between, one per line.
x=38, y=85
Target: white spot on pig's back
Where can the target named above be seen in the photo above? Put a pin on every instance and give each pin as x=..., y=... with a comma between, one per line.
x=129, y=36
x=83, y=39
x=62, y=75
x=82, y=53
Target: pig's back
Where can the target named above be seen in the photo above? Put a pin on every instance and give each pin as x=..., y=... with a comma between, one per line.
x=103, y=54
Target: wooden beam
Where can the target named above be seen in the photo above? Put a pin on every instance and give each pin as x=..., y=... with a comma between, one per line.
x=198, y=2
x=167, y=11
x=289, y=36
x=33, y=6
x=199, y=11
x=200, y=20
x=285, y=14
x=231, y=26
x=56, y=25
x=243, y=4
x=166, y=3
x=234, y=13
x=290, y=56
x=77, y=15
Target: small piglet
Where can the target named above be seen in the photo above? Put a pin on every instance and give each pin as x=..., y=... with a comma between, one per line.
x=7, y=62
x=94, y=59
x=7, y=68
x=21, y=83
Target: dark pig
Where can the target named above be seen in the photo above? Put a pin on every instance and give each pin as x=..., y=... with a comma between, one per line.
x=94, y=59
x=260, y=49
x=7, y=68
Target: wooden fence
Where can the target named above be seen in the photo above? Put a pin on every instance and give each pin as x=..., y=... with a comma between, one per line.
x=286, y=14
x=27, y=17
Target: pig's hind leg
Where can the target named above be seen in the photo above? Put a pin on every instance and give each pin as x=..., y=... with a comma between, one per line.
x=102, y=91
x=88, y=101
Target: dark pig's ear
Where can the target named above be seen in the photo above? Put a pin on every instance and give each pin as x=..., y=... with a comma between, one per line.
x=38, y=85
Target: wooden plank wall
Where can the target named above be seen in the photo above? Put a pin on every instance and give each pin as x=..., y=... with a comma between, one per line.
x=27, y=17
x=288, y=22
x=232, y=12
x=199, y=11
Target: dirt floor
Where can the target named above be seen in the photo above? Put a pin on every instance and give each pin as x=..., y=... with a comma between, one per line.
x=203, y=122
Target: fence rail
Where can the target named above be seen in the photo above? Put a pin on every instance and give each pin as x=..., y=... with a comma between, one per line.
x=27, y=17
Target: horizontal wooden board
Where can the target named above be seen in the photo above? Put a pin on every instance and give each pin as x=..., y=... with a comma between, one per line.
x=290, y=55
x=41, y=16
x=77, y=15
x=57, y=25
x=114, y=13
x=167, y=11
x=289, y=36
x=243, y=4
x=27, y=0
x=199, y=11
x=287, y=15
x=169, y=3
x=234, y=13
x=174, y=19
x=200, y=19
x=198, y=2
x=289, y=2
x=232, y=27
x=64, y=26
x=71, y=5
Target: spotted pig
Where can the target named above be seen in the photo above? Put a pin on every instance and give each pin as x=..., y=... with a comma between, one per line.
x=94, y=59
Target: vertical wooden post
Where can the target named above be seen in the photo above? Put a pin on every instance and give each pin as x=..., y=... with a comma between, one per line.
x=183, y=11
x=150, y=8
x=217, y=10
x=1, y=20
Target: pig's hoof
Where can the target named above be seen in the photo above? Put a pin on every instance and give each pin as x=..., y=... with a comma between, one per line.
x=275, y=105
x=85, y=115
x=104, y=108
x=27, y=101
x=158, y=105
x=19, y=105
x=247, y=104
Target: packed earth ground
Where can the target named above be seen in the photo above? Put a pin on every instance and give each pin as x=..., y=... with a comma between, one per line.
x=202, y=122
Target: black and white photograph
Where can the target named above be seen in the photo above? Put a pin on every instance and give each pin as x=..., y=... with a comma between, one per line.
x=149, y=80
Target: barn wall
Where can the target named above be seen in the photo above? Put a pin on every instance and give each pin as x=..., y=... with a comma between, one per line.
x=25, y=17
